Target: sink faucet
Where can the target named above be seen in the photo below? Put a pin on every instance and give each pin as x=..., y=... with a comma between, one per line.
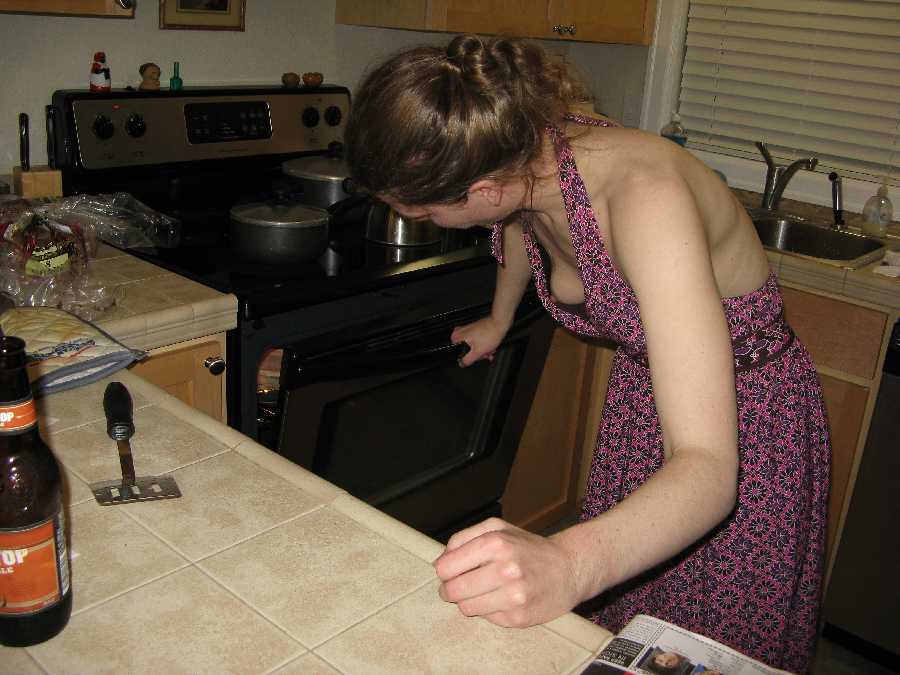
x=837, y=201
x=777, y=177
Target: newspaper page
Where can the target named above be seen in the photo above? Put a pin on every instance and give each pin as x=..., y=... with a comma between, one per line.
x=650, y=646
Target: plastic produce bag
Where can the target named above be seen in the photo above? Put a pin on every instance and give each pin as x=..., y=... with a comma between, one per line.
x=44, y=262
x=118, y=219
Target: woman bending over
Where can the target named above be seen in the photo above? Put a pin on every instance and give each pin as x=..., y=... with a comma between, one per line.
x=707, y=494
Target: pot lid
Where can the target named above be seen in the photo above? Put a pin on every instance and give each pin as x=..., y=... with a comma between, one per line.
x=274, y=214
x=317, y=168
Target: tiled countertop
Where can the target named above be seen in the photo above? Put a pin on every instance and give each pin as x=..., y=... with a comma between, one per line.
x=155, y=307
x=260, y=567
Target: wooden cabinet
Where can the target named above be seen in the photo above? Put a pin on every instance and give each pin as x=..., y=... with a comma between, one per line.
x=604, y=20
x=74, y=7
x=411, y=14
x=615, y=21
x=180, y=369
x=543, y=484
x=847, y=342
x=525, y=18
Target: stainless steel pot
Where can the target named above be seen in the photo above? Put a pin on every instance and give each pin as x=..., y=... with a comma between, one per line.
x=277, y=234
x=386, y=226
x=324, y=179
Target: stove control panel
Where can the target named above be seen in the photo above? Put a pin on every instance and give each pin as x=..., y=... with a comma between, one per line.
x=109, y=131
x=227, y=122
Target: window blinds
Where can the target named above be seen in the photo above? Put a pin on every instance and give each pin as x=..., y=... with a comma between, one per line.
x=808, y=77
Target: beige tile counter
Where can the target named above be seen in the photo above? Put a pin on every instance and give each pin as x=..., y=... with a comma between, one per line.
x=261, y=567
x=155, y=307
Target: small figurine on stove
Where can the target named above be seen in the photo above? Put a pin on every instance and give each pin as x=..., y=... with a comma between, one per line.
x=100, y=79
x=149, y=77
x=290, y=80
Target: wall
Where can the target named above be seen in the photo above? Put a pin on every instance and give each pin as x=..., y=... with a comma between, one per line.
x=45, y=53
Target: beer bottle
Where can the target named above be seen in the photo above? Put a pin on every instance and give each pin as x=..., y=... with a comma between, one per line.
x=35, y=595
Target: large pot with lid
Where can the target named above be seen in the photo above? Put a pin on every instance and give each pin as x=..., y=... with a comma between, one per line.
x=278, y=233
x=324, y=179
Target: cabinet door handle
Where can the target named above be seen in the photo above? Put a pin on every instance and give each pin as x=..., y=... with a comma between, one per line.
x=215, y=365
x=557, y=29
x=571, y=29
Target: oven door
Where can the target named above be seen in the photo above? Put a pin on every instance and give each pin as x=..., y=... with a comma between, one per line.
x=392, y=418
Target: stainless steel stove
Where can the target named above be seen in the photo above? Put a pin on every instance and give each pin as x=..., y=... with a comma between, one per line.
x=363, y=330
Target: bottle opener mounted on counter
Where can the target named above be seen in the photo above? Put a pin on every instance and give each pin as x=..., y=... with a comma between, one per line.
x=120, y=426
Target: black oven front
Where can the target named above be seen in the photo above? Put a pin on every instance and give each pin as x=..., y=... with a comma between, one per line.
x=379, y=405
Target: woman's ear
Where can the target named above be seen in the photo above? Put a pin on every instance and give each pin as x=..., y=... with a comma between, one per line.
x=488, y=189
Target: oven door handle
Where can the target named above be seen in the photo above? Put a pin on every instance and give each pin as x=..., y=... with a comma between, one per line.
x=342, y=367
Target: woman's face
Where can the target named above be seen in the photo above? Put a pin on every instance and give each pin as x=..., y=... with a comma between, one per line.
x=486, y=202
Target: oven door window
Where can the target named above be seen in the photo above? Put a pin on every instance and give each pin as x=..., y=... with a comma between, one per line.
x=391, y=413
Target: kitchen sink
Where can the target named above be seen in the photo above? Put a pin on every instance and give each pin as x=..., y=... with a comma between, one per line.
x=807, y=239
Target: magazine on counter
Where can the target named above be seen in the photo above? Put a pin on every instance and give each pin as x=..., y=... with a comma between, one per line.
x=650, y=646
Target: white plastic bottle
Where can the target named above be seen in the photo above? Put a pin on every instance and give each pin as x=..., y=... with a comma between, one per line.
x=674, y=130
x=878, y=212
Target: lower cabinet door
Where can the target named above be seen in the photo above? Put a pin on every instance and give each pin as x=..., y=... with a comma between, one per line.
x=182, y=373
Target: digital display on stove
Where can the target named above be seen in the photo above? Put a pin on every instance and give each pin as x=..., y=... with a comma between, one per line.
x=223, y=122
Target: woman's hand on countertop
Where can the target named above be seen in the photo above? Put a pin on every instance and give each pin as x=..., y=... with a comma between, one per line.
x=507, y=575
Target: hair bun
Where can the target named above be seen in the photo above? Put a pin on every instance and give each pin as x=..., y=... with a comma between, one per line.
x=489, y=65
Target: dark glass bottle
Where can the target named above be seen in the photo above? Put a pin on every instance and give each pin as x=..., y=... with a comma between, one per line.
x=35, y=593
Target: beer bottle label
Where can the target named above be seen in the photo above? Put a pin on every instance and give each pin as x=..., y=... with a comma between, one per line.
x=17, y=416
x=34, y=567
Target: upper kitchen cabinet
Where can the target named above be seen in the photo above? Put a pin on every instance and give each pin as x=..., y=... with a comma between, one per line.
x=412, y=14
x=618, y=21
x=614, y=21
x=74, y=7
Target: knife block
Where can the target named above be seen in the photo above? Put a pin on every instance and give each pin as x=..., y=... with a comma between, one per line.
x=40, y=181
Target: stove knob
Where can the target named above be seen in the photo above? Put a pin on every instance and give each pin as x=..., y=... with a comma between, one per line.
x=215, y=365
x=310, y=117
x=333, y=115
x=135, y=126
x=103, y=127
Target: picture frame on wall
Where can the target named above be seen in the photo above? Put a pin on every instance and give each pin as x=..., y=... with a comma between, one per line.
x=202, y=14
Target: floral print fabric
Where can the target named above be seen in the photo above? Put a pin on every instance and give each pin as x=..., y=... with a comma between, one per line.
x=754, y=582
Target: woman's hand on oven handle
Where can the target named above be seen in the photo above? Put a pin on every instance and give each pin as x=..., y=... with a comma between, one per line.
x=482, y=336
x=507, y=575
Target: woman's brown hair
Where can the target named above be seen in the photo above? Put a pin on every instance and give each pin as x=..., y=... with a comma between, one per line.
x=428, y=122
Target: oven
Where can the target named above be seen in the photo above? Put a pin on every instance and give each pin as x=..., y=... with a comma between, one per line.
x=343, y=364
x=380, y=406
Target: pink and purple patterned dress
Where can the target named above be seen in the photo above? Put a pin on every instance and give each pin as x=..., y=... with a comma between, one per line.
x=754, y=582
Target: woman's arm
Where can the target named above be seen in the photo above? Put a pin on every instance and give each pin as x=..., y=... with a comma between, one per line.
x=483, y=336
x=514, y=578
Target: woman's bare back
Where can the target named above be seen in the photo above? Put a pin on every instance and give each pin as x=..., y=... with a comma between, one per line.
x=610, y=159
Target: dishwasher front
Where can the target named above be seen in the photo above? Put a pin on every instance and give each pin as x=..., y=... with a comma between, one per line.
x=862, y=604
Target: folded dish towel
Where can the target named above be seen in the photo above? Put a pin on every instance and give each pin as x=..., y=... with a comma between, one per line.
x=63, y=350
x=890, y=265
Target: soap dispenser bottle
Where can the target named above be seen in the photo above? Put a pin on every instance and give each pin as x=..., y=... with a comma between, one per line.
x=878, y=212
x=674, y=130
